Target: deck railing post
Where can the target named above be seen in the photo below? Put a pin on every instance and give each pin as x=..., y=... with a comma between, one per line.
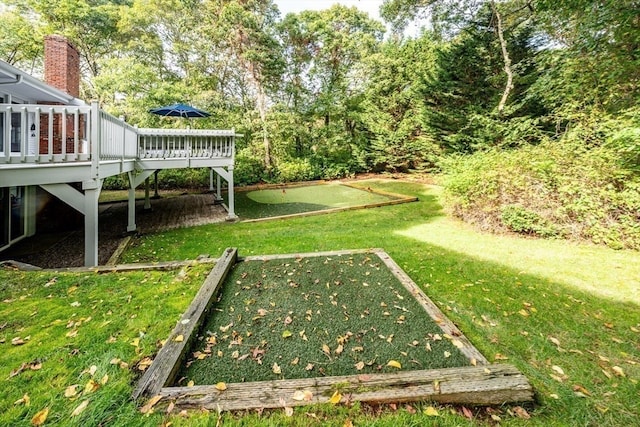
x=24, y=134
x=6, y=139
x=96, y=134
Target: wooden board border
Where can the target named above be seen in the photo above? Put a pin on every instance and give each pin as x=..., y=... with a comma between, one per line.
x=479, y=384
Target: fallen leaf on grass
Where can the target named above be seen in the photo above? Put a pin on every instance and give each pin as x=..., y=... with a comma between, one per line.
x=467, y=412
x=144, y=364
x=81, y=407
x=288, y=411
x=430, y=411
x=359, y=366
x=91, y=371
x=71, y=391
x=339, y=349
x=394, y=364
x=104, y=379
x=17, y=341
x=335, y=399
x=150, y=404
x=26, y=400
x=326, y=350
x=579, y=389
x=191, y=383
x=39, y=418
x=91, y=386
x=309, y=367
x=521, y=413
x=286, y=334
x=618, y=371
x=276, y=369
x=557, y=369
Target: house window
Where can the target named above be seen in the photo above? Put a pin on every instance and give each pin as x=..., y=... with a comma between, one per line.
x=16, y=132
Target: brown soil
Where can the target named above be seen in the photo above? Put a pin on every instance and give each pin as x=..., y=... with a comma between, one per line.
x=66, y=249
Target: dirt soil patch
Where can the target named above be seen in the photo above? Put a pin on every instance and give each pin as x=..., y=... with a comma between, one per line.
x=66, y=249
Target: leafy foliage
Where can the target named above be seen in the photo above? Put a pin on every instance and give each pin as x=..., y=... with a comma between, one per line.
x=556, y=188
x=321, y=94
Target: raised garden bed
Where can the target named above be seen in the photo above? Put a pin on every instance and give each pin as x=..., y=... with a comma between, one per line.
x=289, y=330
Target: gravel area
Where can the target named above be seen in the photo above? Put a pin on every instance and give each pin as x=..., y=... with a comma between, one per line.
x=66, y=249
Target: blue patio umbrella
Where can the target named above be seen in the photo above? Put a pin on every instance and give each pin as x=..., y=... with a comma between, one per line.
x=179, y=110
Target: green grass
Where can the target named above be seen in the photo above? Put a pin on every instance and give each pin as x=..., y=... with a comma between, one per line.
x=276, y=202
x=315, y=316
x=509, y=296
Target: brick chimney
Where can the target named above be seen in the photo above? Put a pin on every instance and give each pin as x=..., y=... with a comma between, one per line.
x=62, y=65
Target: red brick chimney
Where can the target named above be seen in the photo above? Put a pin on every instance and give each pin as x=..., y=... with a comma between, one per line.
x=62, y=65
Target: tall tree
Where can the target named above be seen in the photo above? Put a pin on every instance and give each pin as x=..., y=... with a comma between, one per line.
x=245, y=29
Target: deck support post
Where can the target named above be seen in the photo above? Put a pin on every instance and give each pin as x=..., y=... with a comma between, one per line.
x=147, y=201
x=91, y=195
x=210, y=179
x=87, y=204
x=232, y=205
x=155, y=185
x=218, y=189
x=31, y=209
x=134, y=181
x=228, y=176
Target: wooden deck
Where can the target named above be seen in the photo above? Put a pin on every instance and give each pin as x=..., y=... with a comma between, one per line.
x=69, y=150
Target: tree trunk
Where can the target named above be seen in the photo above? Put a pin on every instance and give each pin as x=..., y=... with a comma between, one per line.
x=261, y=102
x=506, y=58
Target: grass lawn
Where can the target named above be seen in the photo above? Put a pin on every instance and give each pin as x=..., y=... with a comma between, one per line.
x=315, y=316
x=566, y=315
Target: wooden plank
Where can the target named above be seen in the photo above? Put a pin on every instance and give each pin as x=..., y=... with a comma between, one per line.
x=115, y=256
x=486, y=385
x=434, y=312
x=309, y=254
x=336, y=210
x=167, y=363
x=118, y=268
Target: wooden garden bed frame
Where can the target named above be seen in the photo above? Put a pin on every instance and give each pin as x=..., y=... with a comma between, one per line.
x=481, y=383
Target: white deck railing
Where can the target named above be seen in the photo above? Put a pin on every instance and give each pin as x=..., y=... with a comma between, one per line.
x=185, y=143
x=45, y=134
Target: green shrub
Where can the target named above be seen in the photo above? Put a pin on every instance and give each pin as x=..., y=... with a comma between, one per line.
x=523, y=221
x=296, y=170
x=558, y=188
x=249, y=169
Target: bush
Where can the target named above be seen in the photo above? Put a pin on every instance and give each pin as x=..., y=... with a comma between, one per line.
x=249, y=169
x=520, y=220
x=296, y=170
x=556, y=188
